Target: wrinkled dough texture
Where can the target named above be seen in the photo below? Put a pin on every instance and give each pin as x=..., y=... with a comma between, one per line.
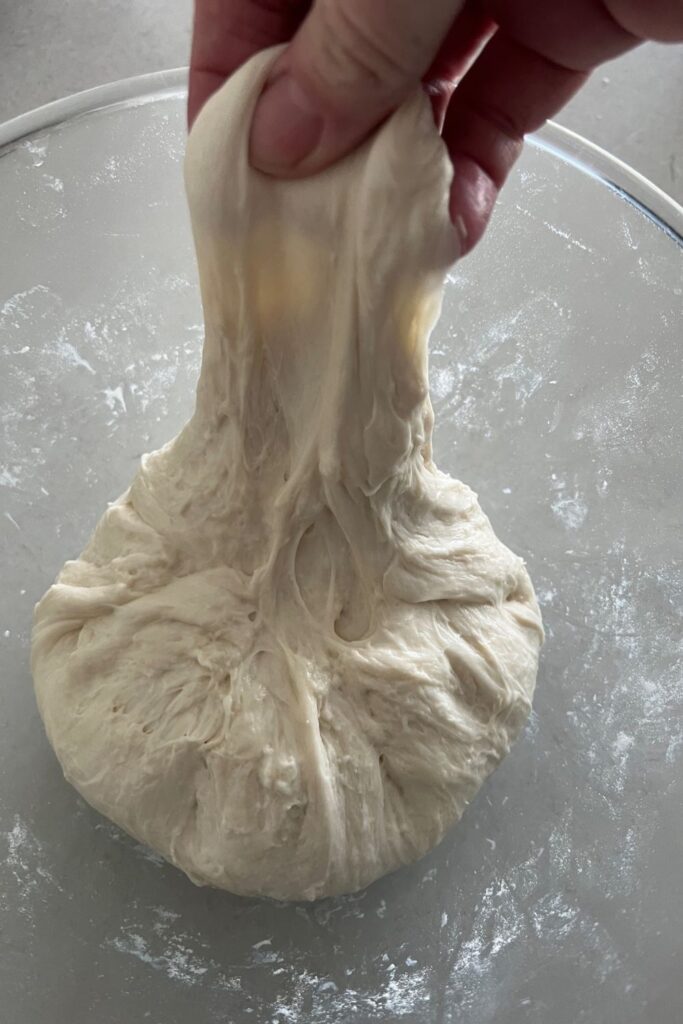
x=293, y=649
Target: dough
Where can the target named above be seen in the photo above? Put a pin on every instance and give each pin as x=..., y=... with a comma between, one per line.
x=293, y=649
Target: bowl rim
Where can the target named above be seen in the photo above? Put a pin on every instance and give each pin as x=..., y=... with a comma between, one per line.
x=568, y=145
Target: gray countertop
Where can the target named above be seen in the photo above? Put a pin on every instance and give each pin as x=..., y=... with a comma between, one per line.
x=551, y=900
x=632, y=107
x=557, y=898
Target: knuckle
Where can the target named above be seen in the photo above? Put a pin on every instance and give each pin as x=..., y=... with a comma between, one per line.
x=501, y=120
x=352, y=55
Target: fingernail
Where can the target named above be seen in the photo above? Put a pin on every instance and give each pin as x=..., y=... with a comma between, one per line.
x=286, y=127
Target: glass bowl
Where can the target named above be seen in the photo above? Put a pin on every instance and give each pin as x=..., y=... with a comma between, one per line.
x=556, y=375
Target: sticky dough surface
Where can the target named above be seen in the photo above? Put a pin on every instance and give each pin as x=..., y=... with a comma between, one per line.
x=293, y=649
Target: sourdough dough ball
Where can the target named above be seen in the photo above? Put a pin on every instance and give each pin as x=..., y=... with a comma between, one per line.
x=293, y=649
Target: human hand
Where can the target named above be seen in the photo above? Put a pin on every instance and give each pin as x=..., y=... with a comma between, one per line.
x=496, y=69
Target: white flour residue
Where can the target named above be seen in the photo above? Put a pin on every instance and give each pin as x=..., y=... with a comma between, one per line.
x=18, y=309
x=624, y=414
x=10, y=518
x=442, y=382
x=621, y=746
x=21, y=316
x=36, y=150
x=294, y=994
x=636, y=611
x=628, y=234
x=519, y=921
x=41, y=206
x=169, y=135
x=262, y=953
x=56, y=184
x=560, y=232
x=128, y=166
x=625, y=720
x=488, y=375
x=8, y=476
x=115, y=400
x=567, y=237
x=524, y=379
x=152, y=387
x=674, y=748
x=570, y=511
x=546, y=595
x=567, y=503
x=317, y=999
x=69, y=347
x=25, y=866
x=69, y=354
x=113, y=168
x=532, y=727
x=176, y=958
x=171, y=950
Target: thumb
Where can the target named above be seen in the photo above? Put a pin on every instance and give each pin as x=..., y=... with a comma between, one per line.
x=350, y=65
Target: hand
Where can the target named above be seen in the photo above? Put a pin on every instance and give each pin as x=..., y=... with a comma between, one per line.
x=496, y=69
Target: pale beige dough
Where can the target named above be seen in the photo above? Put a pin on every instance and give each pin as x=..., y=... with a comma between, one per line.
x=293, y=649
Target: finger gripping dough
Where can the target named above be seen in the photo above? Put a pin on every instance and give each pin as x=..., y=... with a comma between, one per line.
x=293, y=649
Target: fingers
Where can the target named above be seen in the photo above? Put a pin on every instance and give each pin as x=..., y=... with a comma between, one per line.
x=465, y=38
x=350, y=64
x=659, y=20
x=539, y=57
x=578, y=34
x=509, y=91
x=227, y=32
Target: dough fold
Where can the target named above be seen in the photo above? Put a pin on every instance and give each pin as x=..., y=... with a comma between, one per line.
x=293, y=649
